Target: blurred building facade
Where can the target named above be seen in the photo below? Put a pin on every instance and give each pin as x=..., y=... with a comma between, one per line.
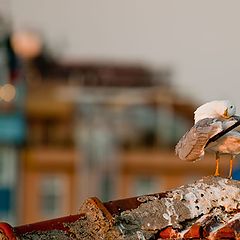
x=100, y=130
x=69, y=131
x=87, y=129
x=73, y=130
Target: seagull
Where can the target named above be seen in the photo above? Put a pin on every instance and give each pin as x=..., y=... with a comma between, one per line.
x=212, y=120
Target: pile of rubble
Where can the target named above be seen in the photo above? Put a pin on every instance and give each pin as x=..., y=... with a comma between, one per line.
x=208, y=208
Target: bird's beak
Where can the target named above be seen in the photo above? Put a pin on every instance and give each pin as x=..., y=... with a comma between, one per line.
x=225, y=114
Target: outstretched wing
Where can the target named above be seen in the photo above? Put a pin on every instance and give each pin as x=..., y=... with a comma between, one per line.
x=191, y=146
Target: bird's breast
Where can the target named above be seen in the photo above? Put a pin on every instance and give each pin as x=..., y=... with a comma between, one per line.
x=230, y=144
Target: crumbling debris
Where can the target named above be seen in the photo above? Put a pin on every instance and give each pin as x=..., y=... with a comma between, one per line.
x=147, y=198
x=206, y=209
x=214, y=197
x=97, y=223
x=208, y=202
x=43, y=235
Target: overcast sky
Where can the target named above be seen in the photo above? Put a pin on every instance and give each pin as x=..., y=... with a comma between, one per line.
x=199, y=40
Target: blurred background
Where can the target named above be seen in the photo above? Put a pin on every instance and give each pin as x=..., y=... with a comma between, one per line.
x=94, y=95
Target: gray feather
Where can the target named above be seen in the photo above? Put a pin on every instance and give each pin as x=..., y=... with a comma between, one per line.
x=191, y=146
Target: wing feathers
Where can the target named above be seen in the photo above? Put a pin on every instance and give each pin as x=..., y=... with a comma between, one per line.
x=191, y=145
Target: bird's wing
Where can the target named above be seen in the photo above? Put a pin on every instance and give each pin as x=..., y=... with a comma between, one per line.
x=191, y=146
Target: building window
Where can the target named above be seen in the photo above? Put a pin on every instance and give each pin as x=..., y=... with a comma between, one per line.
x=8, y=184
x=8, y=166
x=52, y=191
x=145, y=185
x=170, y=126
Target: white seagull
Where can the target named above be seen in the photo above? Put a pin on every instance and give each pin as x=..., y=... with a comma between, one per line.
x=211, y=119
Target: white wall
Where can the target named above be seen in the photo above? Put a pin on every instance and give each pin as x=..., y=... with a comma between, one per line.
x=200, y=39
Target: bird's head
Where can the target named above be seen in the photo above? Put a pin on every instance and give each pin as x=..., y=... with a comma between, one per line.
x=222, y=109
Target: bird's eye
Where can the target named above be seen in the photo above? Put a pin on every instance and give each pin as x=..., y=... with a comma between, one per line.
x=231, y=107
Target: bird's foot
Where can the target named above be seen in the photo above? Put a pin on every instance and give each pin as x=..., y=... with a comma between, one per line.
x=229, y=177
x=216, y=174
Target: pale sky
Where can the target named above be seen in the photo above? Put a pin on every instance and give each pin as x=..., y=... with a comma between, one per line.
x=199, y=40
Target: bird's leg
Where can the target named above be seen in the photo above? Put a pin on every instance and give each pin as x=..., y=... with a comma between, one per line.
x=230, y=167
x=216, y=174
